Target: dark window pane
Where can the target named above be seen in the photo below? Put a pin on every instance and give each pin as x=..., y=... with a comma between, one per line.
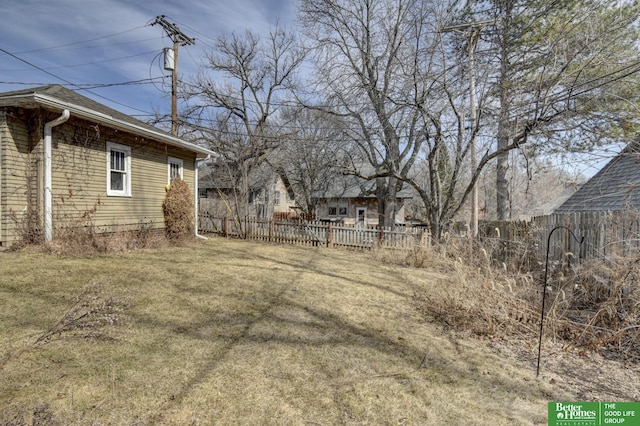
x=117, y=181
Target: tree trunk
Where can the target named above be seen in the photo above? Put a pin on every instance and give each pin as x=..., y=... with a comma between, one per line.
x=502, y=164
x=381, y=197
x=390, y=207
x=502, y=183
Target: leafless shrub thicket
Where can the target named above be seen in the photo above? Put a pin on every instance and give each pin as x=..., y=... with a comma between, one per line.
x=479, y=294
x=598, y=307
x=591, y=305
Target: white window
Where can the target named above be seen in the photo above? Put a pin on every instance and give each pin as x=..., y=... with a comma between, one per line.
x=118, y=170
x=174, y=168
x=276, y=198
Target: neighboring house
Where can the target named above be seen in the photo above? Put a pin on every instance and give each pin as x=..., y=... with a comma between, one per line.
x=614, y=188
x=352, y=201
x=270, y=196
x=65, y=158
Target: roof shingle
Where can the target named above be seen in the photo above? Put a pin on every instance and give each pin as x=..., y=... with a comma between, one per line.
x=614, y=188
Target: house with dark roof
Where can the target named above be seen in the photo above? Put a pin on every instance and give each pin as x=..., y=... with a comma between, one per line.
x=270, y=194
x=352, y=200
x=616, y=187
x=65, y=159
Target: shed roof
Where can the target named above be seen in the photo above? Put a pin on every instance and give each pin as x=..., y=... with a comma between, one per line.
x=56, y=97
x=614, y=188
x=351, y=186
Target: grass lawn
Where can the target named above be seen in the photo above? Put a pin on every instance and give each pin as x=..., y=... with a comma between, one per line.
x=237, y=332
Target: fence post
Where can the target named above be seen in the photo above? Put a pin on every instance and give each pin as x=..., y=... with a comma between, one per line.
x=330, y=235
x=272, y=229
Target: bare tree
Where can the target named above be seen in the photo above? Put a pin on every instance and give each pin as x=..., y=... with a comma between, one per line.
x=235, y=98
x=388, y=70
x=310, y=157
x=402, y=84
x=362, y=50
x=562, y=72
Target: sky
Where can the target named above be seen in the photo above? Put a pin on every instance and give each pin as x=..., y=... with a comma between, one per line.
x=110, y=42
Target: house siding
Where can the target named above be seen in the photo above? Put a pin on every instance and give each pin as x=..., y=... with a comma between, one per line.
x=18, y=165
x=285, y=204
x=352, y=204
x=79, y=175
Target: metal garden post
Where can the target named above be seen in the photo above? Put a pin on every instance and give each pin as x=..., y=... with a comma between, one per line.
x=544, y=291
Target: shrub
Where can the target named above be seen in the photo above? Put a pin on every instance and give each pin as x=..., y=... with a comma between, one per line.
x=179, y=211
x=27, y=226
x=594, y=304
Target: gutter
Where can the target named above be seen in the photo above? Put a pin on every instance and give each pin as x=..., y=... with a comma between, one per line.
x=48, y=197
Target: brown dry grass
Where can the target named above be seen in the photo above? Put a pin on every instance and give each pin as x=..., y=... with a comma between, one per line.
x=235, y=332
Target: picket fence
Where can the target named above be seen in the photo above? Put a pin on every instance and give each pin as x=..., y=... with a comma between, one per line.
x=602, y=234
x=314, y=233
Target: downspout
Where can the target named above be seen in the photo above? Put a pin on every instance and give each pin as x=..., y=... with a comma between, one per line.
x=48, y=197
x=196, y=195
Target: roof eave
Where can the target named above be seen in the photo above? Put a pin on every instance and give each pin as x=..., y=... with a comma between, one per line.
x=88, y=113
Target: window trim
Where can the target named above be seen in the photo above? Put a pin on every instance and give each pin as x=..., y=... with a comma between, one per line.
x=126, y=191
x=179, y=162
x=340, y=206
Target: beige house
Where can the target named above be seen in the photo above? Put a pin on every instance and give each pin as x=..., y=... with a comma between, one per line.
x=352, y=201
x=269, y=198
x=66, y=159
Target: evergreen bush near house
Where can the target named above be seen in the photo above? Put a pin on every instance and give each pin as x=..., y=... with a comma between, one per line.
x=178, y=210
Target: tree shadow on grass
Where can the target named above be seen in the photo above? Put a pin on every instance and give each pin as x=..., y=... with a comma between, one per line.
x=275, y=316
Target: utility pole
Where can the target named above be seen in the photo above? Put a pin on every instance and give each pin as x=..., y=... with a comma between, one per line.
x=179, y=39
x=472, y=42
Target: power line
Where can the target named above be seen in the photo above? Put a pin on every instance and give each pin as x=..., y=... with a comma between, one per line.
x=196, y=32
x=37, y=67
x=67, y=81
x=95, y=46
x=93, y=63
x=76, y=42
x=85, y=86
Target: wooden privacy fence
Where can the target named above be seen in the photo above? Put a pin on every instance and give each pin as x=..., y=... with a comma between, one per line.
x=604, y=233
x=313, y=233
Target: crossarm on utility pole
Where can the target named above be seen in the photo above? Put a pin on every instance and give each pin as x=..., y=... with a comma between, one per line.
x=179, y=39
